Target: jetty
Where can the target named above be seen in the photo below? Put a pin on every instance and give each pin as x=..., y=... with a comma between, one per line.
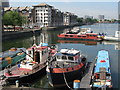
x=86, y=80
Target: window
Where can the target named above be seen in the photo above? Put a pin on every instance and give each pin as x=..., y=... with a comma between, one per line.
x=66, y=35
x=58, y=57
x=71, y=35
x=64, y=57
x=29, y=52
x=70, y=58
x=79, y=36
x=94, y=35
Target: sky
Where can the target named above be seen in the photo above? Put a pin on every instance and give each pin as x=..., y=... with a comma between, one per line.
x=109, y=8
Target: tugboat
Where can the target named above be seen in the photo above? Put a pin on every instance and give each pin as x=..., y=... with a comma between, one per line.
x=102, y=74
x=11, y=57
x=66, y=66
x=33, y=67
x=86, y=35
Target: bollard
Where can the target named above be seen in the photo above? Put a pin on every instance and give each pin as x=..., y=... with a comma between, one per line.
x=76, y=84
x=17, y=83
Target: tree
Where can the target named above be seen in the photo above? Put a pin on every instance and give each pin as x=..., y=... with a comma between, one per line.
x=13, y=18
x=80, y=20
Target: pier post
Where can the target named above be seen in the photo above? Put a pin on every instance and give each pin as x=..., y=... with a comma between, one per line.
x=17, y=83
x=76, y=84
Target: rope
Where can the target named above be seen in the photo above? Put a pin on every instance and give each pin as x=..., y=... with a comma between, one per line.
x=66, y=80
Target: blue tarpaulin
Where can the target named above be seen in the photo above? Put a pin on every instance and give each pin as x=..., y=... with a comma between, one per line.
x=102, y=61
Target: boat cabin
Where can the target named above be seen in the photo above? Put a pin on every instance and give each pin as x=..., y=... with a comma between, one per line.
x=37, y=53
x=68, y=55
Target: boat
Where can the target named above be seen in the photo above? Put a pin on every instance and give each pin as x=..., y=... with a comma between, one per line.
x=102, y=73
x=113, y=38
x=11, y=57
x=80, y=35
x=66, y=66
x=32, y=67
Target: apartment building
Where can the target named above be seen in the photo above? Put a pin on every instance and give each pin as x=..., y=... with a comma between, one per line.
x=24, y=11
x=43, y=15
x=69, y=19
x=46, y=16
x=101, y=17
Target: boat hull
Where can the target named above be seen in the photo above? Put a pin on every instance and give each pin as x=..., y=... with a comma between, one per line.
x=58, y=79
x=111, y=38
x=27, y=78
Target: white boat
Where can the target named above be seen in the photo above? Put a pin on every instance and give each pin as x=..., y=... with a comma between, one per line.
x=113, y=38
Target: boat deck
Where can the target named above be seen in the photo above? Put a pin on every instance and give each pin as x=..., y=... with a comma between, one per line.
x=15, y=71
x=85, y=82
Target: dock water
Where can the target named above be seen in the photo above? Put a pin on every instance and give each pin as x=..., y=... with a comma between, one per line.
x=86, y=80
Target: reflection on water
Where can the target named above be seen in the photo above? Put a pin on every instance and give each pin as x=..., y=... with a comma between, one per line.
x=79, y=41
x=89, y=48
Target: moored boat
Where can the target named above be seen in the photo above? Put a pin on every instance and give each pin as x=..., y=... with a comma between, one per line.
x=113, y=38
x=86, y=35
x=11, y=57
x=66, y=66
x=32, y=67
x=102, y=74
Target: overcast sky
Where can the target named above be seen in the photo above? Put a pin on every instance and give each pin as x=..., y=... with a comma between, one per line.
x=109, y=8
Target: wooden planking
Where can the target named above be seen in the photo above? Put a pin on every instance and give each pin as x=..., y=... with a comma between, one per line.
x=85, y=81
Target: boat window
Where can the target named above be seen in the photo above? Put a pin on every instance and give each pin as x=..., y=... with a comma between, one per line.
x=66, y=35
x=58, y=57
x=64, y=57
x=42, y=53
x=79, y=36
x=31, y=64
x=71, y=35
x=91, y=35
x=70, y=58
x=29, y=52
x=94, y=35
x=84, y=36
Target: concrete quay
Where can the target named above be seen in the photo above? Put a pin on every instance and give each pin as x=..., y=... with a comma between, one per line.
x=8, y=35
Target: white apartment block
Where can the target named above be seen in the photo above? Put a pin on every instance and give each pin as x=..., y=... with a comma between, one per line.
x=47, y=16
x=42, y=15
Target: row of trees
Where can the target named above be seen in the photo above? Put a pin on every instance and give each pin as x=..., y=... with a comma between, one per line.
x=13, y=18
x=91, y=21
x=86, y=21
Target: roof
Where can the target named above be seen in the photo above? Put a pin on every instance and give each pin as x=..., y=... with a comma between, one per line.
x=14, y=8
x=68, y=52
x=41, y=5
x=102, y=61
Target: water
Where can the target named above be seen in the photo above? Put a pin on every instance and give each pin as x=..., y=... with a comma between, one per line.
x=89, y=48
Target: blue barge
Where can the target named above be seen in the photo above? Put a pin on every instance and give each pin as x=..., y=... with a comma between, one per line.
x=102, y=74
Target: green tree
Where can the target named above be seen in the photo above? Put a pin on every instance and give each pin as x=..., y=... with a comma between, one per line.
x=80, y=20
x=13, y=18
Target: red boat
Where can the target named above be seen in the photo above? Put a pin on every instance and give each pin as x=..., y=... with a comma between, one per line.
x=32, y=67
x=66, y=66
x=80, y=35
